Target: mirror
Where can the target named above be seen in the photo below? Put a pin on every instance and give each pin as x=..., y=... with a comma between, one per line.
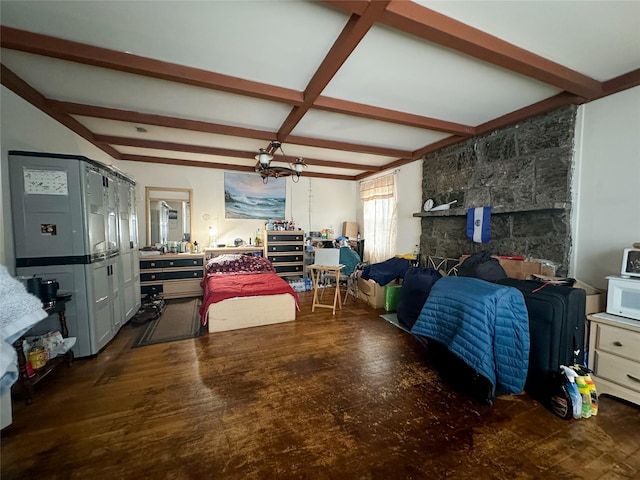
x=168, y=214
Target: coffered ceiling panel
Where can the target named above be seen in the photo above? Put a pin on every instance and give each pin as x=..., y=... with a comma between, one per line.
x=600, y=39
x=347, y=128
x=353, y=87
x=391, y=69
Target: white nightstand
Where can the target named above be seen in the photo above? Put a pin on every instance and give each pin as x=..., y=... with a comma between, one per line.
x=614, y=355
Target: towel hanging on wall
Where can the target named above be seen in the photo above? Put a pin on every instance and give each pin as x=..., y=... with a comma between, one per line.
x=479, y=224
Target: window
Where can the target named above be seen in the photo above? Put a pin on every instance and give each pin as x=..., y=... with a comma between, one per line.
x=379, y=216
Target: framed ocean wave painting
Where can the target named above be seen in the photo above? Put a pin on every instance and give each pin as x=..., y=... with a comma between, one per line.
x=246, y=196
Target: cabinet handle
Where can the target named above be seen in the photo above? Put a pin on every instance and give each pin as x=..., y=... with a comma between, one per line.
x=153, y=264
x=195, y=274
x=633, y=378
x=170, y=263
x=617, y=343
x=153, y=277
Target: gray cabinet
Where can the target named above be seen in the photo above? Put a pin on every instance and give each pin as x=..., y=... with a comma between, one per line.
x=72, y=219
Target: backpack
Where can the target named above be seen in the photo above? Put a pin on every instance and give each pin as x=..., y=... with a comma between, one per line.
x=482, y=265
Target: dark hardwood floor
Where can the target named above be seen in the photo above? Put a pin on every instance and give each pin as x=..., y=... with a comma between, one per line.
x=348, y=396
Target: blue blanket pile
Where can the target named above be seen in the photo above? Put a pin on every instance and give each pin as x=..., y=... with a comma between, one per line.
x=484, y=324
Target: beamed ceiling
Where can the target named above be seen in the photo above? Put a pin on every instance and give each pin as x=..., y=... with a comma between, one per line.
x=353, y=87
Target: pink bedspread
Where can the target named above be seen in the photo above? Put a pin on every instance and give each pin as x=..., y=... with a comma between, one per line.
x=219, y=287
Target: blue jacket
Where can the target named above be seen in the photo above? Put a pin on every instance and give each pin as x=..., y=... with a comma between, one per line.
x=484, y=324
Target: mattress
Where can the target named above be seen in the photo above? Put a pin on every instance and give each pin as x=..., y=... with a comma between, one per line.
x=245, y=312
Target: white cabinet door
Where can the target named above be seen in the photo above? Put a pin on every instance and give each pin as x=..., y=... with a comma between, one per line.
x=116, y=292
x=102, y=308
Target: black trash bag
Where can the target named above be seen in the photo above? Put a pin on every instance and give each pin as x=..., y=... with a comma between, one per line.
x=482, y=265
x=454, y=371
x=416, y=287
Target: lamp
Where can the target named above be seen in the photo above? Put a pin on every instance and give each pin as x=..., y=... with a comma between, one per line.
x=266, y=170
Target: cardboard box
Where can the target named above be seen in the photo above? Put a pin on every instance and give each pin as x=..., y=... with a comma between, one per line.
x=523, y=269
x=596, y=298
x=350, y=230
x=372, y=293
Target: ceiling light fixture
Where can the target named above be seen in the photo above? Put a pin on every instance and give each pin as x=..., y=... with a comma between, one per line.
x=264, y=168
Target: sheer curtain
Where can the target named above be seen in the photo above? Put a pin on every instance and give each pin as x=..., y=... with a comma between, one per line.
x=379, y=214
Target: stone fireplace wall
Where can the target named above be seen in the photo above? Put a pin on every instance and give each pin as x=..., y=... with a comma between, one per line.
x=523, y=172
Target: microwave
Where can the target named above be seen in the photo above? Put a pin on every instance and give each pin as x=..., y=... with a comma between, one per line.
x=623, y=297
x=631, y=263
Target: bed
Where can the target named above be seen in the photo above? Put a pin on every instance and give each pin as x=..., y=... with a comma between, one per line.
x=242, y=291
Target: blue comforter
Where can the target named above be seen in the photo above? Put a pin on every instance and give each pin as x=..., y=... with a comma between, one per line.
x=484, y=324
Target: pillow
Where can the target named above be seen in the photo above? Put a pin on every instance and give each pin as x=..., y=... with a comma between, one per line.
x=235, y=263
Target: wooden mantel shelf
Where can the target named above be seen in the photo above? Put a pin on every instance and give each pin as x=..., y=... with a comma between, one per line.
x=459, y=212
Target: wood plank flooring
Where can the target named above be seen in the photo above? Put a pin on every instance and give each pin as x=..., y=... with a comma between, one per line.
x=348, y=396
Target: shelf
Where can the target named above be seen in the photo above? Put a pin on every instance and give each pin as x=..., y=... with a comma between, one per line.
x=462, y=212
x=50, y=366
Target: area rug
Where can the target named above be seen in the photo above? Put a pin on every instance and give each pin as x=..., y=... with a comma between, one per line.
x=179, y=321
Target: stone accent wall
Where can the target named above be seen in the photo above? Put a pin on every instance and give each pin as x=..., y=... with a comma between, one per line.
x=523, y=172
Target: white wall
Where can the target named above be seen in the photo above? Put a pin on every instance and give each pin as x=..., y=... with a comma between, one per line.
x=409, y=202
x=606, y=185
x=313, y=202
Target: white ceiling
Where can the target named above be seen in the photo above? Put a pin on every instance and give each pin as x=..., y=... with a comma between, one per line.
x=353, y=87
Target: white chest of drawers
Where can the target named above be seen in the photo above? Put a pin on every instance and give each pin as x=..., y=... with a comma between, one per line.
x=614, y=355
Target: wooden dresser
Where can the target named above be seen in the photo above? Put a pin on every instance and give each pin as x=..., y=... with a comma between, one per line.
x=173, y=275
x=285, y=250
x=614, y=355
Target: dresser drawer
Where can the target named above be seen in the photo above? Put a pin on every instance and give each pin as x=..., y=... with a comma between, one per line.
x=145, y=264
x=284, y=248
x=183, y=262
x=183, y=288
x=182, y=274
x=151, y=276
x=289, y=268
x=617, y=369
x=618, y=341
x=285, y=258
x=281, y=237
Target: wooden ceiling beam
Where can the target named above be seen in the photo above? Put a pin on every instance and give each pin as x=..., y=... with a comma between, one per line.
x=29, y=42
x=349, y=6
x=383, y=114
x=628, y=80
x=217, y=166
x=222, y=152
x=347, y=147
x=434, y=27
x=199, y=126
x=21, y=88
x=552, y=103
x=561, y=100
x=351, y=35
x=161, y=120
